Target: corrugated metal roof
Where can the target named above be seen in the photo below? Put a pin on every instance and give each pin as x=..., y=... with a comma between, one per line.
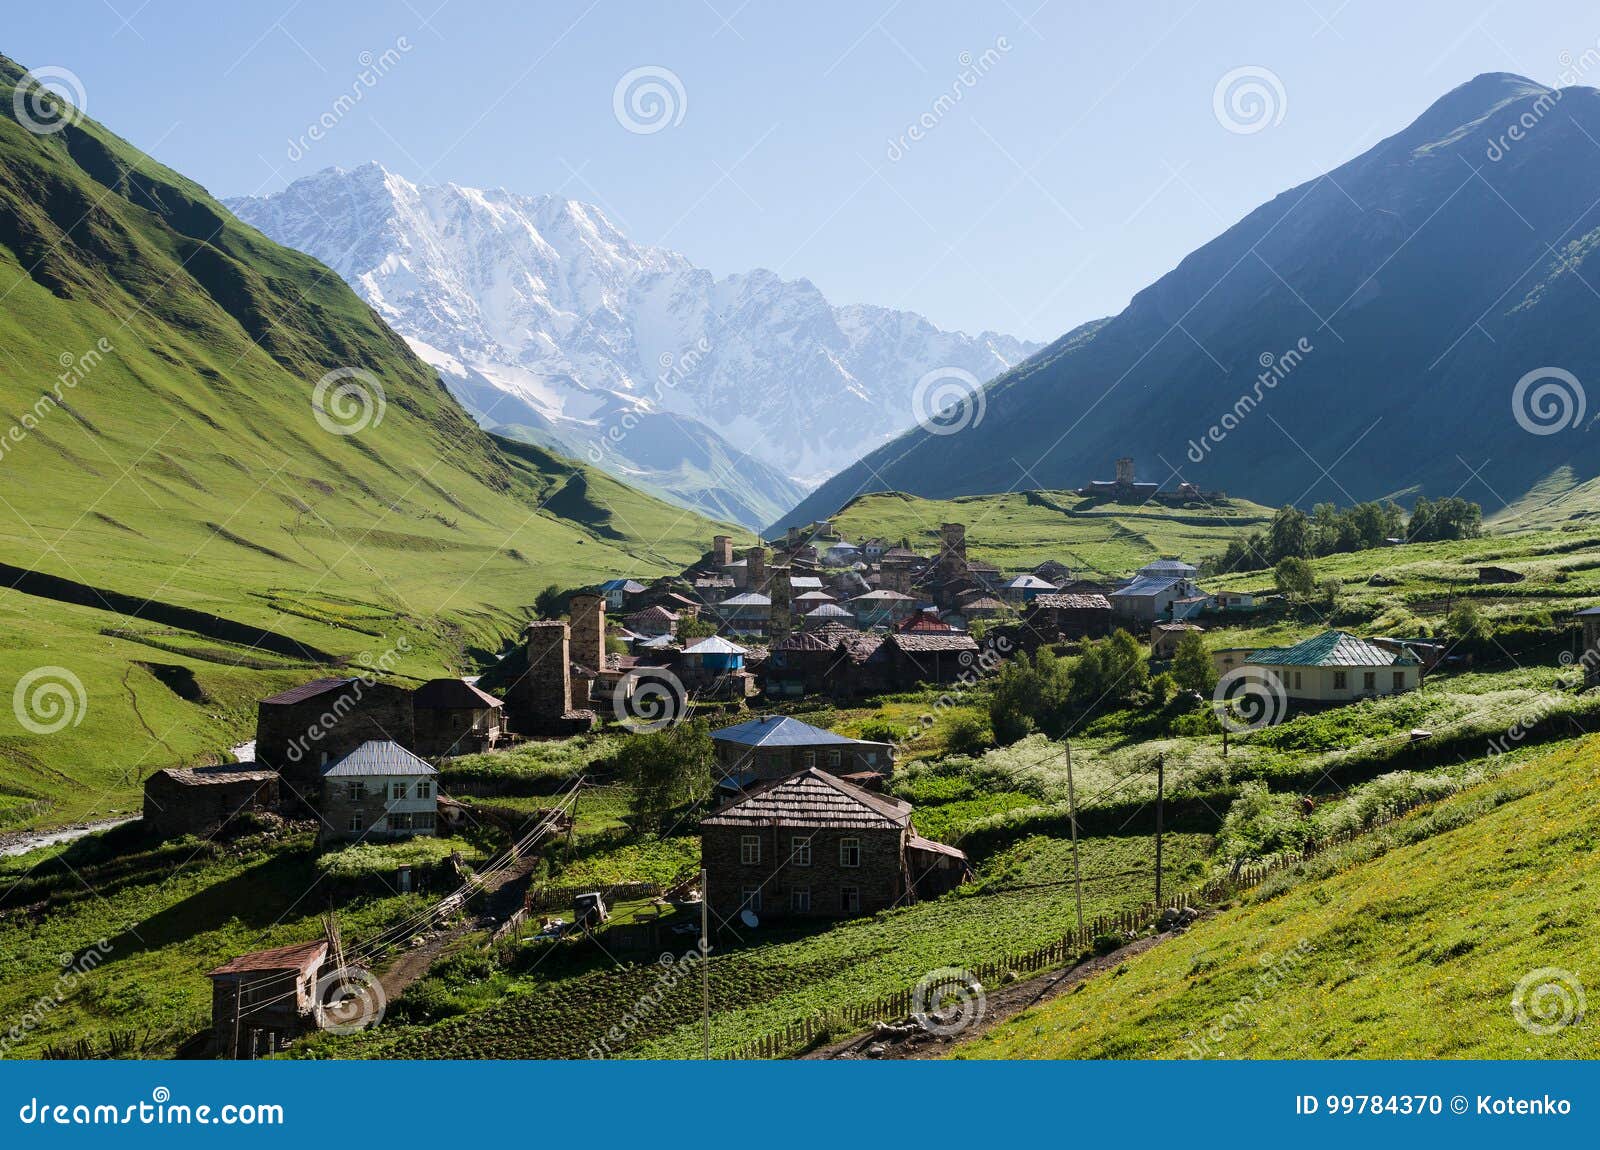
x=297, y=956
x=809, y=582
x=748, y=599
x=1146, y=585
x=779, y=731
x=918, y=843
x=307, y=691
x=1329, y=649
x=715, y=645
x=813, y=798
x=378, y=757
x=828, y=611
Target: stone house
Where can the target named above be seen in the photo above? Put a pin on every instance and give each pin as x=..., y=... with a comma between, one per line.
x=806, y=846
x=882, y=608
x=773, y=746
x=1164, y=638
x=1150, y=597
x=748, y=612
x=620, y=593
x=539, y=701
x=302, y=730
x=199, y=800
x=906, y=658
x=379, y=791
x=651, y=622
x=1068, y=616
x=453, y=717
x=263, y=1001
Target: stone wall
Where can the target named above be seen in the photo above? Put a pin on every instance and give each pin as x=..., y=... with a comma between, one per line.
x=199, y=800
x=299, y=739
x=540, y=702
x=879, y=880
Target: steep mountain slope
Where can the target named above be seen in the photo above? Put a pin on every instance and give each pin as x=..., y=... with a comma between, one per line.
x=1451, y=923
x=541, y=314
x=1426, y=277
x=190, y=516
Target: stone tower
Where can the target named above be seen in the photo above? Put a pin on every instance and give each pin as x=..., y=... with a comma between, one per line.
x=1125, y=471
x=952, y=550
x=722, y=550
x=781, y=620
x=588, y=613
x=755, y=570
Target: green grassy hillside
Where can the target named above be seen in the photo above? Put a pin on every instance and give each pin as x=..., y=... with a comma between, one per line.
x=1022, y=529
x=1411, y=944
x=183, y=531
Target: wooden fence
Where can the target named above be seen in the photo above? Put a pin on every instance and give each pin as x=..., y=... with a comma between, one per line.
x=836, y=1022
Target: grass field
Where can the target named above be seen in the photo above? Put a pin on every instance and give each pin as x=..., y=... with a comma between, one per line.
x=1414, y=946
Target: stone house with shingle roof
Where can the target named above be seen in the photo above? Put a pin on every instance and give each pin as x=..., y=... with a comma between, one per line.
x=453, y=717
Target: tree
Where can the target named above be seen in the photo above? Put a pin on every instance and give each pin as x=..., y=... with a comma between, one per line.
x=1191, y=664
x=1465, y=621
x=966, y=735
x=1110, y=671
x=1294, y=577
x=692, y=627
x=1027, y=696
x=1289, y=534
x=551, y=603
x=667, y=769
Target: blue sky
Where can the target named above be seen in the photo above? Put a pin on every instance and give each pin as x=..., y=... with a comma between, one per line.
x=1083, y=162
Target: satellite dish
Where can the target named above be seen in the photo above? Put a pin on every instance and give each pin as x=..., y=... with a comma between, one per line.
x=748, y=917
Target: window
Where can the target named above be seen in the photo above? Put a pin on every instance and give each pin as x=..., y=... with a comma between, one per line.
x=849, y=852
x=1369, y=681
x=834, y=758
x=1297, y=680
x=1399, y=680
x=749, y=849
x=399, y=821
x=800, y=900
x=358, y=791
x=1339, y=683
x=751, y=899
x=850, y=899
x=397, y=790
x=425, y=789
x=800, y=850
x=422, y=821
x=356, y=824
x=808, y=758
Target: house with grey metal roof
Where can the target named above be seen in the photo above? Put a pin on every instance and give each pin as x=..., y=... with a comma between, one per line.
x=379, y=791
x=773, y=746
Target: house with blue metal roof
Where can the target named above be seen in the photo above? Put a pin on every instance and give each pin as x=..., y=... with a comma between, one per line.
x=773, y=746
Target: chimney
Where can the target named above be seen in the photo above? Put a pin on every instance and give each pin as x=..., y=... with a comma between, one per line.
x=780, y=620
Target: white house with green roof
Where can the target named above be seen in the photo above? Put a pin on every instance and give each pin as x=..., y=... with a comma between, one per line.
x=1333, y=667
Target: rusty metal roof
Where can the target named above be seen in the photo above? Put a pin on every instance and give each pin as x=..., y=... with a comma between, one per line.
x=307, y=691
x=297, y=956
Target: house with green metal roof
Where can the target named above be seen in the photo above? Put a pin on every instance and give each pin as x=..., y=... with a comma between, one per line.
x=1333, y=667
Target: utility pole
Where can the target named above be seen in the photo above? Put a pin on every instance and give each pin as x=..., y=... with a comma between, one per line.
x=705, y=958
x=1161, y=812
x=1072, y=809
